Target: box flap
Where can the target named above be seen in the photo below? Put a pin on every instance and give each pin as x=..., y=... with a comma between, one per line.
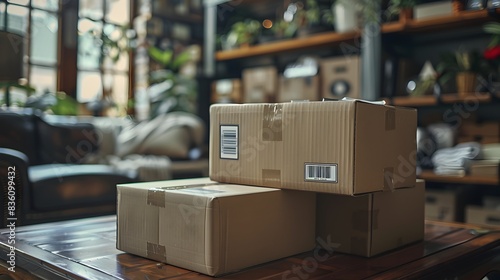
x=384, y=167
x=346, y=220
x=393, y=210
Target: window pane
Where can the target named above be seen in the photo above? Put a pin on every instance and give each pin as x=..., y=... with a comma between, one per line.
x=89, y=49
x=43, y=37
x=51, y=5
x=88, y=86
x=122, y=63
x=120, y=89
x=43, y=79
x=118, y=11
x=17, y=96
x=17, y=19
x=2, y=15
x=91, y=8
x=116, y=34
x=20, y=2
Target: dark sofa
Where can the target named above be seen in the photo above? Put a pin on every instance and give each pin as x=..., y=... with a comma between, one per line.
x=50, y=183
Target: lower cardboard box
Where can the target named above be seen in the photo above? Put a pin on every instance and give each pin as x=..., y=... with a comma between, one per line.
x=370, y=224
x=442, y=205
x=213, y=228
x=480, y=215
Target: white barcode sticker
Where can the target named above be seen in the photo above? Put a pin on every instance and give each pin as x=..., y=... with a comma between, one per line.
x=229, y=142
x=320, y=172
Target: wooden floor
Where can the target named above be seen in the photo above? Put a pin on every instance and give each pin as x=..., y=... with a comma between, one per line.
x=86, y=249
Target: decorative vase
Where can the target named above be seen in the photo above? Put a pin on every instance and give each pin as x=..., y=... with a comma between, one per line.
x=346, y=18
x=405, y=15
x=466, y=83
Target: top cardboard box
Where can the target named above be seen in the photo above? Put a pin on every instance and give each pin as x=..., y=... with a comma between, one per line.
x=342, y=147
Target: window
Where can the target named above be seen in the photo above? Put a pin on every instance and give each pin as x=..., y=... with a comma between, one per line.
x=37, y=22
x=97, y=70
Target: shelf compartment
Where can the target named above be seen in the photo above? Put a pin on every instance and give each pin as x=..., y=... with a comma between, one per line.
x=465, y=18
x=430, y=100
x=317, y=40
x=479, y=180
x=462, y=19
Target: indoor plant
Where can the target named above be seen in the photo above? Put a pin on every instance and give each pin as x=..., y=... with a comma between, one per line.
x=464, y=66
x=242, y=33
x=171, y=89
x=402, y=7
x=492, y=56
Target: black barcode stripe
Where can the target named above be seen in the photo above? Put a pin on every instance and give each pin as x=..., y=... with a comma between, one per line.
x=320, y=172
x=229, y=142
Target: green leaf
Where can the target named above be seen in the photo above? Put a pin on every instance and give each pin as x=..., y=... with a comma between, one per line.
x=181, y=59
x=162, y=57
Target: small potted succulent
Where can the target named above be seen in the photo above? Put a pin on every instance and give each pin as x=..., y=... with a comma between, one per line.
x=402, y=7
x=464, y=66
x=242, y=33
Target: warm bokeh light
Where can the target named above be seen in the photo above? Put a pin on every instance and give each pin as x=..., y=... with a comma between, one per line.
x=267, y=23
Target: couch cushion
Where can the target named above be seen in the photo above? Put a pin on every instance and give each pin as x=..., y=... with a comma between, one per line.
x=19, y=132
x=64, y=139
x=60, y=186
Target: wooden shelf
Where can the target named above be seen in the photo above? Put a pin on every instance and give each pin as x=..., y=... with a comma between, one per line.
x=430, y=100
x=322, y=39
x=462, y=19
x=480, y=180
x=465, y=18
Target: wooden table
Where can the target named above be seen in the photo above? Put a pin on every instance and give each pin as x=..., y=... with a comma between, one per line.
x=85, y=249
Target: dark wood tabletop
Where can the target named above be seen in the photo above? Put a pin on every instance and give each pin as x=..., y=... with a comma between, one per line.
x=86, y=249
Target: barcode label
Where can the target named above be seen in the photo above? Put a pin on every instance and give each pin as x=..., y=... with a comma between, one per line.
x=229, y=142
x=320, y=172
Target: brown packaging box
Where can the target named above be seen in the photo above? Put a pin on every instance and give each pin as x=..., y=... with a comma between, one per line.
x=340, y=77
x=342, y=147
x=371, y=224
x=213, y=228
x=260, y=84
x=304, y=88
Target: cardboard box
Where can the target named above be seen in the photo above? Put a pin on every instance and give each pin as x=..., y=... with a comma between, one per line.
x=213, y=228
x=482, y=216
x=341, y=77
x=260, y=84
x=441, y=205
x=432, y=10
x=480, y=129
x=371, y=224
x=227, y=91
x=342, y=147
x=304, y=88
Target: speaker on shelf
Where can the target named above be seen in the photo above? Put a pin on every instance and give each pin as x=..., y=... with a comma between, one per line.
x=341, y=77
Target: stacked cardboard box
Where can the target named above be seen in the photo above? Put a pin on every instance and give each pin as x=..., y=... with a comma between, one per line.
x=284, y=176
x=213, y=228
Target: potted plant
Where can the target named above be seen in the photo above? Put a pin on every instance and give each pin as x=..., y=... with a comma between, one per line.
x=172, y=89
x=492, y=57
x=464, y=66
x=242, y=33
x=402, y=7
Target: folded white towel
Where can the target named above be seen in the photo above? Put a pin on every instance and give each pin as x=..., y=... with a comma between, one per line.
x=457, y=156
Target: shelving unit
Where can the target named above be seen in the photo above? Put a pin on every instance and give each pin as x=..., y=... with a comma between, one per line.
x=431, y=100
x=465, y=18
x=399, y=32
x=313, y=41
x=476, y=180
